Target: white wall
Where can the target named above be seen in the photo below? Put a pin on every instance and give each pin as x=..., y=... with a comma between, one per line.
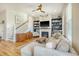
x=11, y=16
x=1, y=30
x=75, y=24
x=10, y=25
x=64, y=21
x=30, y=24
x=2, y=26
x=8, y=30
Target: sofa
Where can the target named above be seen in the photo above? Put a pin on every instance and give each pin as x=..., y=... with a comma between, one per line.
x=36, y=49
x=57, y=45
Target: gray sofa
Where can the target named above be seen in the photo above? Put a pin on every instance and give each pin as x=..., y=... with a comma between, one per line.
x=58, y=45
x=36, y=49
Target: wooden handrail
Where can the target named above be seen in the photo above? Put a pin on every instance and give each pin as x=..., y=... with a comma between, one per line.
x=22, y=24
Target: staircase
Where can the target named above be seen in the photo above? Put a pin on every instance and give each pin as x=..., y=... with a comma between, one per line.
x=22, y=31
x=22, y=28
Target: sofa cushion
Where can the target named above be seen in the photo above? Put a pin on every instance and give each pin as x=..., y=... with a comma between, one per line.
x=63, y=46
x=52, y=42
x=42, y=51
x=27, y=50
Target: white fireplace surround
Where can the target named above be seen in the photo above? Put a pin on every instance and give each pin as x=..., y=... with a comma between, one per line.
x=45, y=30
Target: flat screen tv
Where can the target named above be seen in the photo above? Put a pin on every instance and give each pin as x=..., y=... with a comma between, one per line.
x=44, y=24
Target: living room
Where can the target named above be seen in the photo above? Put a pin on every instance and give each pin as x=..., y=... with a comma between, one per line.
x=34, y=28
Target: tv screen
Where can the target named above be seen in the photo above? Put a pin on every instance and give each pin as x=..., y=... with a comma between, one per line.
x=44, y=23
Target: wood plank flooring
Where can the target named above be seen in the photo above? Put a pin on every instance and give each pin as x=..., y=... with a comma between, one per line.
x=23, y=42
x=8, y=48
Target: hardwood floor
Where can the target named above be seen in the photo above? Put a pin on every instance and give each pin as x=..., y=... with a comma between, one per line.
x=8, y=48
x=23, y=42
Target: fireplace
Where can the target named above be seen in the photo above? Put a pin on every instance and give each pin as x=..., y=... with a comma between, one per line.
x=45, y=34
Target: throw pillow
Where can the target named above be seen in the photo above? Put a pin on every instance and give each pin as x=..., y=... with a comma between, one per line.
x=51, y=44
x=57, y=35
x=51, y=39
x=41, y=40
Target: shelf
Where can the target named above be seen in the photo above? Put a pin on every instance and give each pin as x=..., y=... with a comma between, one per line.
x=56, y=25
x=36, y=26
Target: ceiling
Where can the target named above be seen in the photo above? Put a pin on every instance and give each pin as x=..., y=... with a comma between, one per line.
x=51, y=8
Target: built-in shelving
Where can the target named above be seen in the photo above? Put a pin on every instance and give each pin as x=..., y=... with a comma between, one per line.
x=36, y=26
x=56, y=25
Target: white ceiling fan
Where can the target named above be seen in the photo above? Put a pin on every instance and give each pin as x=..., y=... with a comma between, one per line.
x=39, y=8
